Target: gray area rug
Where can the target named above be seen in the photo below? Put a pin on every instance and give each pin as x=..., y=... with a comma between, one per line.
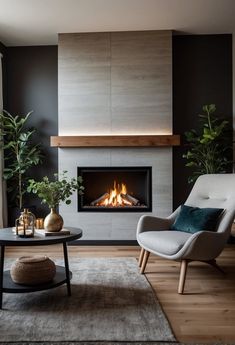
x=99, y=343
x=110, y=302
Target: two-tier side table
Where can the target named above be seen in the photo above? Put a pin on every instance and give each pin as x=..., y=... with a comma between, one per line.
x=63, y=274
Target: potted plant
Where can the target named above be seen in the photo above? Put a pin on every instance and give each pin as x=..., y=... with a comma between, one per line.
x=53, y=193
x=208, y=147
x=20, y=154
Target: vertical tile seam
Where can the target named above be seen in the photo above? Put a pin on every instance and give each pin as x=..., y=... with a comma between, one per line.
x=110, y=93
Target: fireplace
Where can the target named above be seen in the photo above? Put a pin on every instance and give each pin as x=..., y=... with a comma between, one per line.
x=116, y=189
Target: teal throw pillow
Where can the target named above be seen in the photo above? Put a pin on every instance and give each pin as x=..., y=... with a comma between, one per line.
x=194, y=219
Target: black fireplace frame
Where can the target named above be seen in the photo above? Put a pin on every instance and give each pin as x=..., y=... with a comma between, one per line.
x=147, y=208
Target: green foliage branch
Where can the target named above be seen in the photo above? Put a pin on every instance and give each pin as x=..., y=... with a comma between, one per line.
x=57, y=190
x=20, y=154
x=208, y=146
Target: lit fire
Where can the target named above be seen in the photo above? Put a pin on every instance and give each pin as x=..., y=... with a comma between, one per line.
x=116, y=196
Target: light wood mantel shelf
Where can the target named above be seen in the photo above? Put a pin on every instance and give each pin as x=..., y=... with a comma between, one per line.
x=115, y=141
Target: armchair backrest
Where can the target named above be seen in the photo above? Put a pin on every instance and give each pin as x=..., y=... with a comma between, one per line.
x=217, y=191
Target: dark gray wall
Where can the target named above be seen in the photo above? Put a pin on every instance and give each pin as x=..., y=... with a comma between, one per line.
x=202, y=74
x=3, y=51
x=32, y=79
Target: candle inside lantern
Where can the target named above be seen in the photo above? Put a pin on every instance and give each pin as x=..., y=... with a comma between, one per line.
x=26, y=233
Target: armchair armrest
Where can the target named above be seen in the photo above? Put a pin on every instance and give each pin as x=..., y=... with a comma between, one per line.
x=204, y=245
x=149, y=223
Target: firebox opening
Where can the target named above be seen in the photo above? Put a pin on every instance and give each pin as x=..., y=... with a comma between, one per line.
x=116, y=189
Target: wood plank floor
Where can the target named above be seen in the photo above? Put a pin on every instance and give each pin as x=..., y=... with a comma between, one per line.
x=205, y=313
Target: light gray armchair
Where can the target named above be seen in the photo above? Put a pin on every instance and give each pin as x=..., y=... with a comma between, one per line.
x=154, y=236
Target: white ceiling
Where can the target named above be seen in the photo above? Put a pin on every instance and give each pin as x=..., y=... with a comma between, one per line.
x=37, y=22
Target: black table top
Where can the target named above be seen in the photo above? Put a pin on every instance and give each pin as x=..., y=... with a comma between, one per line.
x=8, y=238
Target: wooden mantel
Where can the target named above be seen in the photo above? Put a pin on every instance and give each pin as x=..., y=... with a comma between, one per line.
x=115, y=141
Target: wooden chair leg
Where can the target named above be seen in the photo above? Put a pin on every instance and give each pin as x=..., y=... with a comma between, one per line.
x=144, y=262
x=141, y=257
x=183, y=272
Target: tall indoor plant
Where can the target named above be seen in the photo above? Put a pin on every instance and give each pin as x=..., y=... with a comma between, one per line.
x=20, y=154
x=52, y=193
x=208, y=147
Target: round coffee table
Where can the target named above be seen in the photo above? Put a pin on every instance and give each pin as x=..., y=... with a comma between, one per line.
x=63, y=274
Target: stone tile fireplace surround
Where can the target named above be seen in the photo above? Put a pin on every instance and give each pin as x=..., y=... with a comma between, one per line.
x=116, y=83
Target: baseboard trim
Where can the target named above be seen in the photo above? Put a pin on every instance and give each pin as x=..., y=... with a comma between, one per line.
x=104, y=243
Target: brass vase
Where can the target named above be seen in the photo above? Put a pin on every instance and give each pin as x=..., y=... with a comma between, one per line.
x=53, y=221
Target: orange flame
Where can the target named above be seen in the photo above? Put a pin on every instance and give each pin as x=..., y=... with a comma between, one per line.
x=115, y=197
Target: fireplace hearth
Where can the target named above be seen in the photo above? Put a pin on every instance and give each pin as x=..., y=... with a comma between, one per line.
x=116, y=189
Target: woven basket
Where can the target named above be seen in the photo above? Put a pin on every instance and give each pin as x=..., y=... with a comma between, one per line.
x=33, y=270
